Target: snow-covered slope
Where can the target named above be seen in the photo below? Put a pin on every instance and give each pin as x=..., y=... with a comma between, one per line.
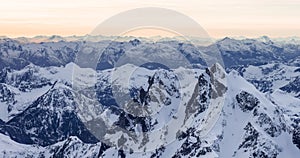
x=58, y=109
x=252, y=123
x=273, y=76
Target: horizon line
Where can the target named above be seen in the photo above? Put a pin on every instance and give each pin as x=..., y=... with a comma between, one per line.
x=154, y=36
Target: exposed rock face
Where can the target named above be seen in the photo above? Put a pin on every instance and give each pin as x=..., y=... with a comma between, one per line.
x=296, y=137
x=252, y=142
x=49, y=119
x=6, y=95
x=293, y=87
x=190, y=112
x=246, y=101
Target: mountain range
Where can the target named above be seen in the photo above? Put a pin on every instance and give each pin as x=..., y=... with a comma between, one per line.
x=56, y=102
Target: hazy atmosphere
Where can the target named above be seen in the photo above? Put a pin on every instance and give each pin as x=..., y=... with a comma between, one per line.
x=145, y=79
x=274, y=18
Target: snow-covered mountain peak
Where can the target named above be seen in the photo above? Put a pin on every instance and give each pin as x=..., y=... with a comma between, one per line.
x=265, y=39
x=54, y=106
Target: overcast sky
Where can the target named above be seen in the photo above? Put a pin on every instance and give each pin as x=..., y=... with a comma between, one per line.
x=220, y=18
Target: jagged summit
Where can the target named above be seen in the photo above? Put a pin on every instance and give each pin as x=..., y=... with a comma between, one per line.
x=249, y=110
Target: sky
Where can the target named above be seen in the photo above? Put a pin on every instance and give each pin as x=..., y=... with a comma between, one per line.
x=220, y=18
